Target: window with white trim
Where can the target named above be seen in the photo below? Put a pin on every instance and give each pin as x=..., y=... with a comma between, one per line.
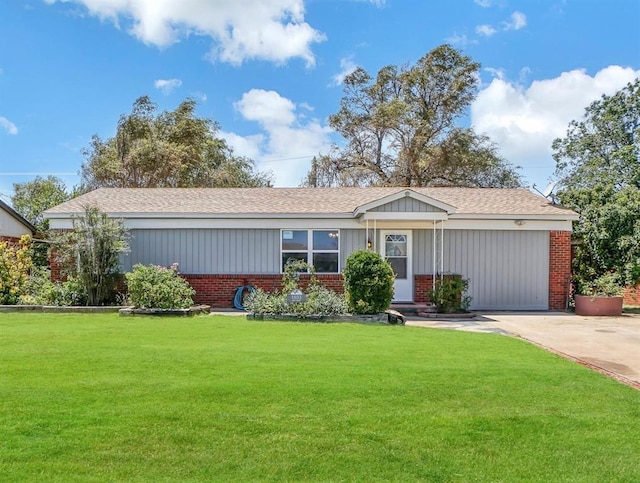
x=320, y=248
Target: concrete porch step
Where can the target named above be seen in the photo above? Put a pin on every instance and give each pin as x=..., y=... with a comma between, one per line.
x=413, y=308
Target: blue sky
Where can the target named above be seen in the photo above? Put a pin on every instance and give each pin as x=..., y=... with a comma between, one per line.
x=269, y=71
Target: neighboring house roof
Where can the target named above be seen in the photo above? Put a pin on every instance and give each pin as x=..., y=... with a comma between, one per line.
x=17, y=217
x=259, y=202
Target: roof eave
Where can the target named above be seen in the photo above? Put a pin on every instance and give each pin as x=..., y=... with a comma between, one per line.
x=17, y=216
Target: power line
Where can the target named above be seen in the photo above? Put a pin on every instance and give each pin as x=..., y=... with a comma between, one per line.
x=37, y=174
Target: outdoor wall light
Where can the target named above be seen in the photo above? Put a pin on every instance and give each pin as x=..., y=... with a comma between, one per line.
x=519, y=222
x=369, y=244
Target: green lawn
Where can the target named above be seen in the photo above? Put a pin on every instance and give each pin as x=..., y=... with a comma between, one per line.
x=103, y=398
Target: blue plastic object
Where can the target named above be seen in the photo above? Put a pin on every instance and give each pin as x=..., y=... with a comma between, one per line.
x=237, y=300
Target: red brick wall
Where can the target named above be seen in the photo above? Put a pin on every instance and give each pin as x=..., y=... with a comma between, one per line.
x=219, y=290
x=10, y=239
x=631, y=296
x=422, y=286
x=559, y=268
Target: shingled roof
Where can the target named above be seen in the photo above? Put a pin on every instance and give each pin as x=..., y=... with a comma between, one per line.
x=329, y=201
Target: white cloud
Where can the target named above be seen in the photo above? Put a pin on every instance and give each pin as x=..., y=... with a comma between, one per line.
x=486, y=30
x=518, y=21
x=524, y=121
x=483, y=3
x=8, y=126
x=201, y=96
x=495, y=73
x=167, y=86
x=247, y=146
x=347, y=66
x=288, y=141
x=272, y=30
x=461, y=40
x=266, y=107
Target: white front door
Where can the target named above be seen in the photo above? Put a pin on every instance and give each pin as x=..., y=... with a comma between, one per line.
x=396, y=249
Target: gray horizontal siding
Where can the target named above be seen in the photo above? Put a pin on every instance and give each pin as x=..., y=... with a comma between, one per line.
x=506, y=269
x=409, y=205
x=202, y=251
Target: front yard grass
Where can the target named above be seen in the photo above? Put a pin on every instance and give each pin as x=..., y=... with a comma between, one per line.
x=103, y=398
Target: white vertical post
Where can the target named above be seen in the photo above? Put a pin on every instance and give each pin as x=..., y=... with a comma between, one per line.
x=375, y=234
x=366, y=237
x=441, y=249
x=434, y=254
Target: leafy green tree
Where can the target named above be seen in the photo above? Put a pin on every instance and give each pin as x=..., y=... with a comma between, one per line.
x=32, y=198
x=171, y=149
x=90, y=252
x=400, y=129
x=598, y=164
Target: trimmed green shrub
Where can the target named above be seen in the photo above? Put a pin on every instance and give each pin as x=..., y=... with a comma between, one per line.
x=260, y=302
x=449, y=294
x=320, y=300
x=15, y=263
x=40, y=290
x=156, y=287
x=324, y=301
x=368, y=282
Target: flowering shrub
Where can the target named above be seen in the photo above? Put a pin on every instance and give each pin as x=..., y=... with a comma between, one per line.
x=156, y=287
x=15, y=263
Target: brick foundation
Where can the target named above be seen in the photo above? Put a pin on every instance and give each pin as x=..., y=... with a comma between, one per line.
x=422, y=286
x=559, y=269
x=631, y=296
x=10, y=239
x=219, y=290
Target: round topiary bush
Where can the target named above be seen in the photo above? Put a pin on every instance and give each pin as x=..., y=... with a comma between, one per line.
x=368, y=282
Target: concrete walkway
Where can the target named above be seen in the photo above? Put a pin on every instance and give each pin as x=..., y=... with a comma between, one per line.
x=608, y=344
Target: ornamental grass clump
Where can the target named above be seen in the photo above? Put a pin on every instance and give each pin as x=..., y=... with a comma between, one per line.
x=156, y=287
x=368, y=282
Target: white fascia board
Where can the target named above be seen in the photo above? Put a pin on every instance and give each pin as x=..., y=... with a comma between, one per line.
x=486, y=225
x=404, y=193
x=254, y=223
x=229, y=216
x=508, y=225
x=405, y=216
x=512, y=216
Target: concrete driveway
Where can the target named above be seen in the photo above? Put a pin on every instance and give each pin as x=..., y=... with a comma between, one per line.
x=608, y=344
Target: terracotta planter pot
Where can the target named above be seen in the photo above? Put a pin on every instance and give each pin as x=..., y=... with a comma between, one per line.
x=609, y=306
